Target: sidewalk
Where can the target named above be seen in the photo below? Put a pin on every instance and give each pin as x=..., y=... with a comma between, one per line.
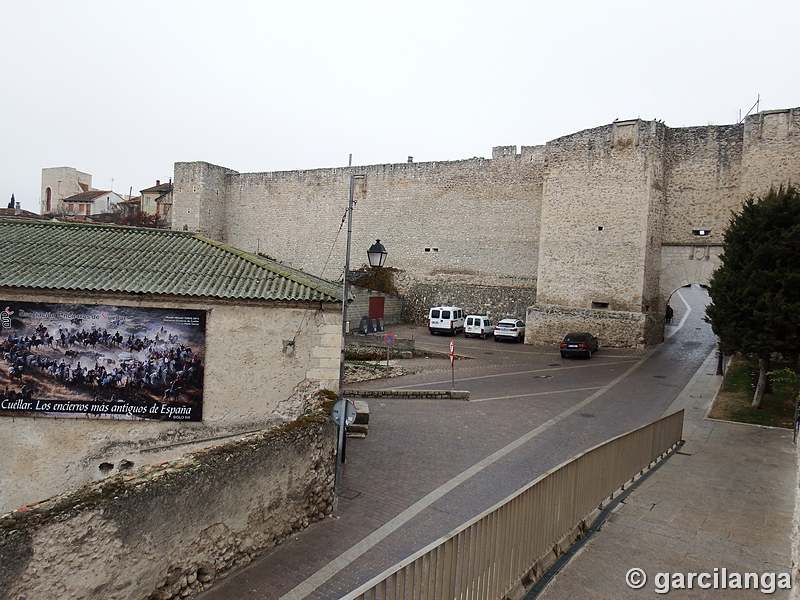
x=725, y=500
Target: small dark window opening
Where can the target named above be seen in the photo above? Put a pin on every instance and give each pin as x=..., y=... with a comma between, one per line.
x=599, y=228
x=701, y=232
x=599, y=304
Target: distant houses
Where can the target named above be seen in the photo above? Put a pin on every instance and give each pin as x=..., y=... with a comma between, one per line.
x=67, y=192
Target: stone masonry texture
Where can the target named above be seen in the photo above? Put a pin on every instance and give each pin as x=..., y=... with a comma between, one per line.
x=170, y=530
x=604, y=219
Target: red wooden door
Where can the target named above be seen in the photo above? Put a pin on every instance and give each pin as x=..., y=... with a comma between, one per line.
x=376, y=304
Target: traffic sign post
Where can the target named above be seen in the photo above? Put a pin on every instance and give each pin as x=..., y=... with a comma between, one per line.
x=344, y=414
x=453, y=364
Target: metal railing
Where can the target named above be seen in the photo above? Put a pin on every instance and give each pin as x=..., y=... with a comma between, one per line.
x=488, y=556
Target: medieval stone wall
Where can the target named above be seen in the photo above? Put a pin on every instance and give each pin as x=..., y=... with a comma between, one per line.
x=454, y=222
x=203, y=192
x=771, y=151
x=474, y=299
x=704, y=166
x=549, y=324
x=579, y=222
x=686, y=264
x=600, y=217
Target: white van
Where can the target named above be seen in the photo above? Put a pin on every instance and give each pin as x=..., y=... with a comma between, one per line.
x=446, y=319
x=480, y=325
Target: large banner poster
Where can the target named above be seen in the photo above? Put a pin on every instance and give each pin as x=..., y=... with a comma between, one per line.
x=97, y=361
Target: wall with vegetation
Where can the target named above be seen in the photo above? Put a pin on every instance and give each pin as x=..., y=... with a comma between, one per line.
x=170, y=530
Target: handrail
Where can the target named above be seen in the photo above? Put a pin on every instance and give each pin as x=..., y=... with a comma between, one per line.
x=490, y=554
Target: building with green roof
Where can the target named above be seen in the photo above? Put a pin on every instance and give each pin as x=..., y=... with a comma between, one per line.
x=131, y=346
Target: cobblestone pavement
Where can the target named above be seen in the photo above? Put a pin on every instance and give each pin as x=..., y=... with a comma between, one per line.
x=428, y=466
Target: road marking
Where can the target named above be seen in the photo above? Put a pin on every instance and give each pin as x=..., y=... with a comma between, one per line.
x=350, y=555
x=586, y=389
x=526, y=372
x=669, y=332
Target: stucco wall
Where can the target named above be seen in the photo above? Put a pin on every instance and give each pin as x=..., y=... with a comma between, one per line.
x=63, y=182
x=263, y=361
x=169, y=531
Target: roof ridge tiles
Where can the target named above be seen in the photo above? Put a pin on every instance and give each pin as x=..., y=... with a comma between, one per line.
x=103, y=257
x=278, y=268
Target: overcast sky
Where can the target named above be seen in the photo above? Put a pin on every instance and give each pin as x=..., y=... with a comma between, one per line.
x=123, y=90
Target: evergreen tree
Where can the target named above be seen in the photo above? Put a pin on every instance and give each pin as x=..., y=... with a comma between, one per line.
x=755, y=292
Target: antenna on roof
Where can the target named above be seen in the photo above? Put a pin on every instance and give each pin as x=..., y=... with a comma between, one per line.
x=756, y=106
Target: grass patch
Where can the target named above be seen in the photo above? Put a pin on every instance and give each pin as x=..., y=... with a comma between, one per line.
x=733, y=401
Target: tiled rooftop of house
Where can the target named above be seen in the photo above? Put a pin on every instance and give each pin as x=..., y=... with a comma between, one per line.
x=69, y=256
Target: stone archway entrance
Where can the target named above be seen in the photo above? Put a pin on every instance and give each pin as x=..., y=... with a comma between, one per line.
x=686, y=264
x=683, y=265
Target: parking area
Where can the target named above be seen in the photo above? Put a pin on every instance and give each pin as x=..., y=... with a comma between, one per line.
x=427, y=466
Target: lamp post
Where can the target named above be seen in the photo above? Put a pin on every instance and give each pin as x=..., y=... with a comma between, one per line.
x=376, y=255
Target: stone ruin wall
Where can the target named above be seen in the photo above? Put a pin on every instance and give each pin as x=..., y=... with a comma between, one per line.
x=171, y=530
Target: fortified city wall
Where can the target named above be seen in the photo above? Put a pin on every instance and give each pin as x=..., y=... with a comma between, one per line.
x=606, y=219
x=450, y=222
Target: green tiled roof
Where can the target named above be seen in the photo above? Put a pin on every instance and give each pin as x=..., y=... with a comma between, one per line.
x=69, y=256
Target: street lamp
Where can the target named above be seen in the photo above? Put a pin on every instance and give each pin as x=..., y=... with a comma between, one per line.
x=376, y=255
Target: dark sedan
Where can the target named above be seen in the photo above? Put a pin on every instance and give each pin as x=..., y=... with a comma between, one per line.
x=579, y=344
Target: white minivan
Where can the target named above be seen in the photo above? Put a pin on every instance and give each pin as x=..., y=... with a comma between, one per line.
x=446, y=319
x=480, y=325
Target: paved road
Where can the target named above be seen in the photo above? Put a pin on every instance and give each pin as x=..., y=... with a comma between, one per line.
x=427, y=466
